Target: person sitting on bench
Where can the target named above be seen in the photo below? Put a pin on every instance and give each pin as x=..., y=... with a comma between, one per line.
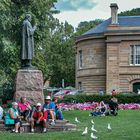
x=24, y=108
x=58, y=111
x=50, y=107
x=12, y=117
x=39, y=116
x=1, y=113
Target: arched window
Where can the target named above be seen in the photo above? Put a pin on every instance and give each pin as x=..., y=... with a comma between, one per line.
x=136, y=87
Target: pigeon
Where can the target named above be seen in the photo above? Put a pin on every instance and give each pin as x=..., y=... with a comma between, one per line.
x=92, y=122
x=109, y=127
x=85, y=132
x=76, y=120
x=93, y=137
x=93, y=129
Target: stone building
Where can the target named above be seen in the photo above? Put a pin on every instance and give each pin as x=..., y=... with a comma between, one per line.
x=108, y=56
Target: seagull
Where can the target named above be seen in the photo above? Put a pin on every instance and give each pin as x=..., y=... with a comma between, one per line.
x=93, y=129
x=92, y=122
x=93, y=137
x=89, y=115
x=85, y=132
x=109, y=127
x=76, y=120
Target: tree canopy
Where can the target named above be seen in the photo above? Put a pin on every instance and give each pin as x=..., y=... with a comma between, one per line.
x=54, y=41
x=133, y=12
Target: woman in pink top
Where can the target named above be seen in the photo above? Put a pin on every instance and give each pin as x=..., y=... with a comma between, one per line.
x=24, y=108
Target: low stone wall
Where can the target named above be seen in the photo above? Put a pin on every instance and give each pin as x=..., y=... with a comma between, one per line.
x=60, y=125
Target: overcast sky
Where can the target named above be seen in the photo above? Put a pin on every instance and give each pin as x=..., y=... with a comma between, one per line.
x=75, y=11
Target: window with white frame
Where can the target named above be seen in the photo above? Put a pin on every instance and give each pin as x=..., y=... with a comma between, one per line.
x=135, y=54
x=80, y=58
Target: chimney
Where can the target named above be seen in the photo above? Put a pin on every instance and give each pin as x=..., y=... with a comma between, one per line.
x=114, y=14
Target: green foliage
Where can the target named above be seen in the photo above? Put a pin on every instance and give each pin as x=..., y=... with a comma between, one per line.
x=87, y=25
x=54, y=52
x=133, y=12
x=134, y=98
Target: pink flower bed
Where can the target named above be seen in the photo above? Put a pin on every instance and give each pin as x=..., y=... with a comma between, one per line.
x=90, y=106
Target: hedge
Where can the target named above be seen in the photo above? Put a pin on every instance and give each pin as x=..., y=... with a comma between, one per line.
x=98, y=98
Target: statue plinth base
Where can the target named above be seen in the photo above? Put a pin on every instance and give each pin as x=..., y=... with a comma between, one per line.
x=29, y=84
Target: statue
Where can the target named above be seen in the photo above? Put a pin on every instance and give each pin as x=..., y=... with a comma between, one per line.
x=27, y=50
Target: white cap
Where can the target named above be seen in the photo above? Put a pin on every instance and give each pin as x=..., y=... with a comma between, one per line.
x=48, y=98
x=14, y=103
x=38, y=104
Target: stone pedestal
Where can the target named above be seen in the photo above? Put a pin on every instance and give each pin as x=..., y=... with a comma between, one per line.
x=29, y=84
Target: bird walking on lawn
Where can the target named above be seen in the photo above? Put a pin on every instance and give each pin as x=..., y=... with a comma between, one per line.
x=109, y=127
x=76, y=120
x=93, y=129
x=92, y=122
x=85, y=131
x=93, y=136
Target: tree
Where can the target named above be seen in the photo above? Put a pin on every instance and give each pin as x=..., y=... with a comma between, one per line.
x=54, y=53
x=63, y=55
x=133, y=12
x=87, y=25
x=11, y=18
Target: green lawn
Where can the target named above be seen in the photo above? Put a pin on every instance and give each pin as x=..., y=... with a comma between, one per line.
x=125, y=126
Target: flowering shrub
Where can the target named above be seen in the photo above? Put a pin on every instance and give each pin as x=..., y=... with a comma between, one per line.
x=82, y=98
x=90, y=106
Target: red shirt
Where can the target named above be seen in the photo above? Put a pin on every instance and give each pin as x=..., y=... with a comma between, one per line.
x=114, y=92
x=40, y=115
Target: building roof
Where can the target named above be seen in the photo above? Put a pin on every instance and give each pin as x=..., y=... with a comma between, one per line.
x=124, y=21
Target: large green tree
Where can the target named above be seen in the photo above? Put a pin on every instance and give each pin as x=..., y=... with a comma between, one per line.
x=11, y=18
x=54, y=53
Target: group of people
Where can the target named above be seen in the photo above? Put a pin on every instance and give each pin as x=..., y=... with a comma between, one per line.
x=101, y=109
x=38, y=114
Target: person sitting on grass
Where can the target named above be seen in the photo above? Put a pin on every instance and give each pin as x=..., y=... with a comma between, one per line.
x=95, y=110
x=103, y=108
x=100, y=110
x=24, y=108
x=58, y=111
x=113, y=106
x=50, y=107
x=39, y=116
x=12, y=117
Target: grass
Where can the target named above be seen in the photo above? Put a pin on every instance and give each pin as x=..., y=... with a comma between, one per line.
x=125, y=126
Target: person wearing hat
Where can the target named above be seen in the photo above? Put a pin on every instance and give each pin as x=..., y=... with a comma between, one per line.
x=50, y=107
x=39, y=116
x=12, y=117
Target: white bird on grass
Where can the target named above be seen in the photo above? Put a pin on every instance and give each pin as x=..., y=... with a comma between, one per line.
x=76, y=120
x=92, y=122
x=109, y=127
x=89, y=115
x=85, y=131
x=93, y=129
x=93, y=136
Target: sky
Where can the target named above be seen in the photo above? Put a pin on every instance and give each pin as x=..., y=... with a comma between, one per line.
x=76, y=11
